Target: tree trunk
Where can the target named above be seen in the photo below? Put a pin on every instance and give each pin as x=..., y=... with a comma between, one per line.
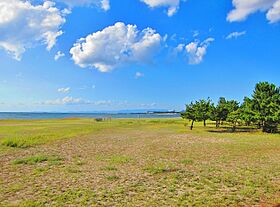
x=204, y=122
x=192, y=125
x=234, y=127
x=217, y=124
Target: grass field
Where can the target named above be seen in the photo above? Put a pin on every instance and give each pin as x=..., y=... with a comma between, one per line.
x=80, y=162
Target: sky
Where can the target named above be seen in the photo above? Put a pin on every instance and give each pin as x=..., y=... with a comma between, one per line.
x=107, y=55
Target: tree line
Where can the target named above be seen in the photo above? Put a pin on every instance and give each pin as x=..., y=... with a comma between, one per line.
x=261, y=110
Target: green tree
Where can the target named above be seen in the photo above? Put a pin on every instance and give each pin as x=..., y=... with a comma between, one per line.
x=203, y=110
x=234, y=118
x=247, y=115
x=220, y=112
x=266, y=106
x=214, y=114
x=190, y=113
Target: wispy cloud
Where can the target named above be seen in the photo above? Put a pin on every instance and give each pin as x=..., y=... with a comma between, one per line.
x=235, y=35
x=69, y=100
x=139, y=75
x=64, y=90
x=58, y=55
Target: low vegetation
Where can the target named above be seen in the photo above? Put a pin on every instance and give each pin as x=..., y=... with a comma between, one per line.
x=37, y=159
x=138, y=162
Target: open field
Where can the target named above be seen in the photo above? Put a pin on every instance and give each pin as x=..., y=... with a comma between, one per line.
x=135, y=162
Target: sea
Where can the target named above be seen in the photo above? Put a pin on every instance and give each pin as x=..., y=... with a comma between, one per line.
x=34, y=116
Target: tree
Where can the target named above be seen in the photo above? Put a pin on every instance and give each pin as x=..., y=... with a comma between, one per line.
x=234, y=117
x=190, y=113
x=203, y=110
x=266, y=106
x=214, y=114
x=247, y=115
x=220, y=112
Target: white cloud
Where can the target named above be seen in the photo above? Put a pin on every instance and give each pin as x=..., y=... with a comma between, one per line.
x=139, y=75
x=116, y=45
x=180, y=48
x=68, y=100
x=23, y=25
x=195, y=33
x=273, y=15
x=243, y=8
x=103, y=4
x=172, y=5
x=64, y=90
x=235, y=35
x=197, y=50
x=58, y=55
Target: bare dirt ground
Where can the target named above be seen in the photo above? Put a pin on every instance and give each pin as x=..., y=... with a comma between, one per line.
x=147, y=165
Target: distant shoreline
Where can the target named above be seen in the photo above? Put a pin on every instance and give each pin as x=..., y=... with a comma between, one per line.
x=64, y=115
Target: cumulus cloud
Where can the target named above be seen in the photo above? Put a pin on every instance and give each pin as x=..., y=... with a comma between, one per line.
x=64, y=90
x=23, y=25
x=58, y=55
x=235, y=35
x=197, y=50
x=180, y=48
x=103, y=4
x=273, y=15
x=139, y=75
x=172, y=5
x=243, y=8
x=116, y=45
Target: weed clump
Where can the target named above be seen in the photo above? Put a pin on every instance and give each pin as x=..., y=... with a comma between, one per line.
x=37, y=159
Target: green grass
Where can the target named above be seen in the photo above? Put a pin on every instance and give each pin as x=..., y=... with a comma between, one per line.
x=136, y=162
x=24, y=134
x=187, y=162
x=37, y=159
x=114, y=159
x=112, y=177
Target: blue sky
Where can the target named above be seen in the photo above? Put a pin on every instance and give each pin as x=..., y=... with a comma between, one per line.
x=136, y=54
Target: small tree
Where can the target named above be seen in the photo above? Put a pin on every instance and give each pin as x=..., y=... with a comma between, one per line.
x=203, y=110
x=190, y=113
x=214, y=114
x=234, y=118
x=266, y=106
x=247, y=115
x=220, y=112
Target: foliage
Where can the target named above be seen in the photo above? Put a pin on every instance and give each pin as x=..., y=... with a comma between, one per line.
x=263, y=109
x=266, y=106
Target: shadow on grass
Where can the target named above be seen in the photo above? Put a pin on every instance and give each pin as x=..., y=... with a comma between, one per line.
x=227, y=129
